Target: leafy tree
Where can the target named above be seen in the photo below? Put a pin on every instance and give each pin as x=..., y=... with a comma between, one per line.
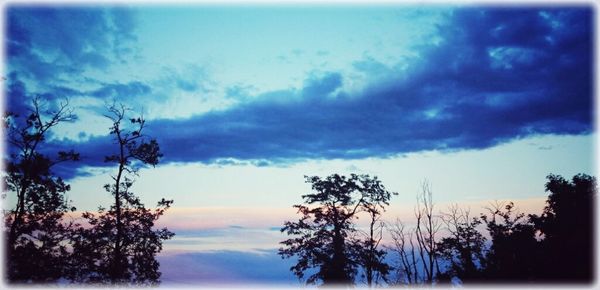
x=513, y=253
x=464, y=247
x=120, y=244
x=567, y=228
x=324, y=238
x=34, y=230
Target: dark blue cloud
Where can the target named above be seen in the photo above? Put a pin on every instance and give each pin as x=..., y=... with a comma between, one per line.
x=498, y=74
x=50, y=48
x=92, y=154
x=64, y=40
x=17, y=92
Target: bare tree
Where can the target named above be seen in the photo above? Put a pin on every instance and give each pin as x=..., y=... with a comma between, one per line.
x=405, y=248
x=417, y=247
x=427, y=227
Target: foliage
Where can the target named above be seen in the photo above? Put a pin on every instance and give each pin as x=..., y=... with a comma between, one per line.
x=371, y=256
x=514, y=253
x=34, y=229
x=556, y=246
x=119, y=245
x=464, y=247
x=324, y=238
x=567, y=227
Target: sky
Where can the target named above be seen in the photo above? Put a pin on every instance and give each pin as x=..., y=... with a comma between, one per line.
x=483, y=102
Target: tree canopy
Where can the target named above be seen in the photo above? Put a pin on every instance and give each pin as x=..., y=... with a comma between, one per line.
x=43, y=244
x=556, y=246
x=567, y=226
x=325, y=238
x=121, y=243
x=35, y=230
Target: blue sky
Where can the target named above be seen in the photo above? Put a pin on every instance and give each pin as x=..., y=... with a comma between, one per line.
x=483, y=102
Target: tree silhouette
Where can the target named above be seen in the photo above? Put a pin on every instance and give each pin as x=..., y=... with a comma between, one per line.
x=464, y=247
x=120, y=244
x=371, y=257
x=567, y=227
x=35, y=232
x=324, y=237
x=403, y=244
x=513, y=254
x=427, y=228
x=417, y=248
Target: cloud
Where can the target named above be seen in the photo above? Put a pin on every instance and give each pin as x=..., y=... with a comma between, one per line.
x=496, y=75
x=134, y=89
x=321, y=86
x=92, y=154
x=84, y=52
x=51, y=49
x=66, y=40
x=189, y=78
x=15, y=88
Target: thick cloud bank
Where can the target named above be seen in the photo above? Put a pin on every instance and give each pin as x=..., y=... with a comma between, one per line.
x=497, y=74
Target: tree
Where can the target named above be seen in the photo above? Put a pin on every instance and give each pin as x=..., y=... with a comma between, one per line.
x=464, y=247
x=426, y=230
x=417, y=247
x=34, y=229
x=513, y=253
x=567, y=227
x=371, y=257
x=324, y=237
x=120, y=244
x=403, y=245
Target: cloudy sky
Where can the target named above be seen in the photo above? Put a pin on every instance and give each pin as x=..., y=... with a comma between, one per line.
x=483, y=102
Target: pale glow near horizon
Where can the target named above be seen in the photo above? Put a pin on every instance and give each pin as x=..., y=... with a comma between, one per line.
x=455, y=176
x=241, y=207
